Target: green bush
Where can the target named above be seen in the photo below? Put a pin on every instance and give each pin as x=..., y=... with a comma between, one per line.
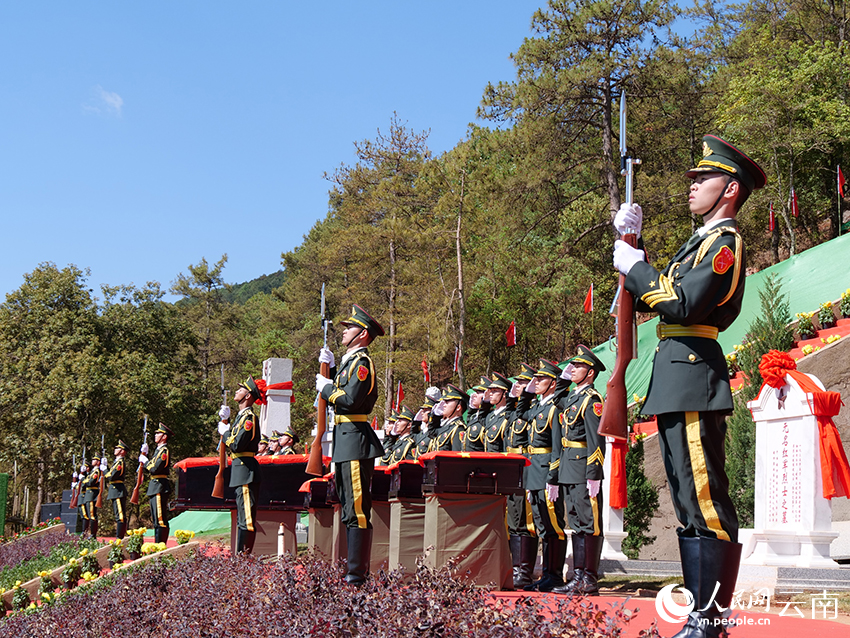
x=643, y=502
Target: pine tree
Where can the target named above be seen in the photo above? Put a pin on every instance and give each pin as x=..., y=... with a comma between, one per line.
x=643, y=502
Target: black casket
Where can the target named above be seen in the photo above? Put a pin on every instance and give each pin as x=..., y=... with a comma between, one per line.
x=473, y=473
x=406, y=479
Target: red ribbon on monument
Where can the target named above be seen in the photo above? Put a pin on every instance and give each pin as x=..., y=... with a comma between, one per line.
x=618, y=494
x=835, y=470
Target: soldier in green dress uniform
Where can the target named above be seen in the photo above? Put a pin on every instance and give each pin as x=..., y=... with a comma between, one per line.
x=91, y=488
x=352, y=393
x=449, y=435
x=498, y=417
x=263, y=446
x=424, y=431
x=117, y=491
x=390, y=437
x=476, y=418
x=159, y=486
x=288, y=439
x=578, y=452
x=405, y=447
x=523, y=536
x=541, y=415
x=697, y=295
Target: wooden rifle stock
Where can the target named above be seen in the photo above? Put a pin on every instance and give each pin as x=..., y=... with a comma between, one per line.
x=315, y=465
x=140, y=476
x=218, y=486
x=101, y=485
x=615, y=416
x=75, y=495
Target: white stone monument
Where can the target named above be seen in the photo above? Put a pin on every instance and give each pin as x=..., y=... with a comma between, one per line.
x=793, y=521
x=275, y=414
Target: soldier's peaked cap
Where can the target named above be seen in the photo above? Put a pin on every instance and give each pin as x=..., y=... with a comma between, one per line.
x=164, y=429
x=251, y=386
x=526, y=372
x=121, y=445
x=360, y=317
x=585, y=355
x=406, y=414
x=291, y=435
x=452, y=392
x=719, y=156
x=548, y=369
x=427, y=404
x=500, y=382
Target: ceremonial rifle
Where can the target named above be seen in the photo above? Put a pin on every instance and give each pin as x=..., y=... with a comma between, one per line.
x=315, y=466
x=218, y=486
x=75, y=497
x=74, y=484
x=102, y=484
x=614, y=421
x=140, y=474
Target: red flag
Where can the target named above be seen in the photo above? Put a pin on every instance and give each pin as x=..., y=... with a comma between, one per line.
x=772, y=222
x=425, y=372
x=588, y=301
x=399, y=396
x=457, y=359
x=841, y=182
x=794, y=207
x=374, y=422
x=510, y=335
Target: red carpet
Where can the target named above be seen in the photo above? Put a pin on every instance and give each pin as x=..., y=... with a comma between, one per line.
x=750, y=624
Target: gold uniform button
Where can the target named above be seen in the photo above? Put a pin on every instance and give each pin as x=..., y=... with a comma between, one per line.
x=692, y=357
x=657, y=348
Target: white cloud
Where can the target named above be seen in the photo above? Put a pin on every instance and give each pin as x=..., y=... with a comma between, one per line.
x=104, y=102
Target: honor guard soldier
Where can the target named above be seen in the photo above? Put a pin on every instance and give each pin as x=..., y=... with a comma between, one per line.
x=81, y=495
x=390, y=437
x=91, y=488
x=476, y=418
x=523, y=536
x=352, y=393
x=449, y=436
x=159, y=487
x=274, y=444
x=697, y=295
x=263, y=446
x=498, y=417
x=117, y=492
x=405, y=447
x=425, y=434
x=576, y=470
x=541, y=415
x=288, y=439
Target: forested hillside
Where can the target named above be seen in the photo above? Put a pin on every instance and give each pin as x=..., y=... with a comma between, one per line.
x=512, y=224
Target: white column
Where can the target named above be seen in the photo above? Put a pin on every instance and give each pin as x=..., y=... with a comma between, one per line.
x=275, y=414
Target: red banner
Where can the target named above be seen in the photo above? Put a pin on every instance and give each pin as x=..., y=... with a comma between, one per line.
x=510, y=335
x=588, y=300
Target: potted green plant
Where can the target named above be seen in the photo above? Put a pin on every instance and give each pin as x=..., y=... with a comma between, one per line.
x=46, y=585
x=71, y=574
x=20, y=597
x=135, y=539
x=826, y=317
x=805, y=327
x=844, y=305
x=116, y=553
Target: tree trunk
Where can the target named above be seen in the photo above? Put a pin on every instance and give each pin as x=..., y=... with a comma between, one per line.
x=390, y=380
x=612, y=184
x=39, y=494
x=461, y=331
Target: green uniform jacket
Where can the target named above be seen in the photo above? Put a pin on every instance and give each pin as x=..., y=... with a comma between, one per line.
x=540, y=417
x=115, y=478
x=404, y=450
x=353, y=394
x=389, y=445
x=578, y=423
x=516, y=433
x=704, y=285
x=288, y=450
x=91, y=486
x=243, y=439
x=495, y=427
x=476, y=423
x=158, y=466
x=448, y=437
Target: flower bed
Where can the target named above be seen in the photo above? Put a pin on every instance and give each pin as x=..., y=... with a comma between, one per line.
x=53, y=526
x=23, y=559
x=214, y=594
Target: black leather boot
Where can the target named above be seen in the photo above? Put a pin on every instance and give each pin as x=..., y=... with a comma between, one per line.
x=533, y=586
x=578, y=565
x=708, y=564
x=160, y=535
x=514, y=543
x=589, y=584
x=553, y=568
x=93, y=528
x=527, y=559
x=359, y=553
x=120, y=530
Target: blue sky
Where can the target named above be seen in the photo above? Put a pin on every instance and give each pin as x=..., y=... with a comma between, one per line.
x=137, y=138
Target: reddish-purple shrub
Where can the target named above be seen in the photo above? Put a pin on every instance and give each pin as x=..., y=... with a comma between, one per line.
x=13, y=554
x=211, y=594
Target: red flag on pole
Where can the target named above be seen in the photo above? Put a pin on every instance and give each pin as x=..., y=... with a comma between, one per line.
x=510, y=335
x=794, y=207
x=588, y=300
x=772, y=222
x=399, y=397
x=841, y=182
x=375, y=422
x=457, y=359
x=425, y=372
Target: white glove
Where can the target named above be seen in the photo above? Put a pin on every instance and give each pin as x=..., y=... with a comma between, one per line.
x=629, y=218
x=103, y=466
x=74, y=476
x=143, y=459
x=531, y=387
x=145, y=448
x=553, y=492
x=567, y=373
x=515, y=390
x=433, y=393
x=223, y=428
x=420, y=416
x=625, y=257
x=388, y=427
x=321, y=382
x=439, y=408
x=326, y=356
x=593, y=486
x=83, y=468
x=224, y=412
